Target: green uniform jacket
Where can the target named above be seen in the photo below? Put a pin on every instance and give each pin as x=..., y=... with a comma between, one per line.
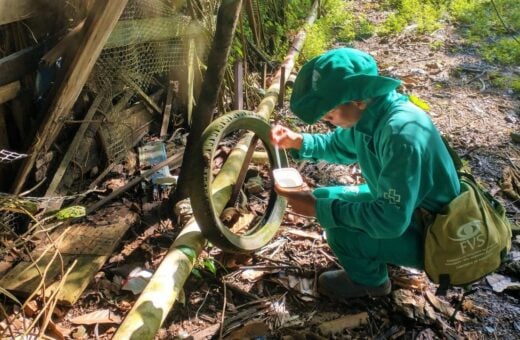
x=403, y=160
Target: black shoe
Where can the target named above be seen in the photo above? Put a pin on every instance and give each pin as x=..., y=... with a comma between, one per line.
x=337, y=285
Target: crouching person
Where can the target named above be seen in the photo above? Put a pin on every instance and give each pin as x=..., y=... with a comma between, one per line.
x=402, y=157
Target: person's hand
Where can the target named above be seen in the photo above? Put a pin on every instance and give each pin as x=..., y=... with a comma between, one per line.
x=301, y=201
x=285, y=138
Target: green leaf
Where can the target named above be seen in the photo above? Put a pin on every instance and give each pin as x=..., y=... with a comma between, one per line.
x=209, y=264
x=71, y=212
x=196, y=273
x=189, y=252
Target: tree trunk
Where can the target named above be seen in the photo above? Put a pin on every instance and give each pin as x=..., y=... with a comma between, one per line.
x=228, y=15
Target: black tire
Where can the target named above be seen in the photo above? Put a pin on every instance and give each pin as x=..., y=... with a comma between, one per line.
x=201, y=199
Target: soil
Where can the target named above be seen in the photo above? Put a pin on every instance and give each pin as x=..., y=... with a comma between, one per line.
x=271, y=293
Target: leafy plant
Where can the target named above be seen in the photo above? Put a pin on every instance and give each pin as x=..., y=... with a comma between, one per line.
x=208, y=263
x=506, y=81
x=494, y=25
x=335, y=24
x=491, y=25
x=425, y=14
x=505, y=51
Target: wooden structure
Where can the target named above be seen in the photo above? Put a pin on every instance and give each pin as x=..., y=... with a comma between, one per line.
x=83, y=247
x=86, y=246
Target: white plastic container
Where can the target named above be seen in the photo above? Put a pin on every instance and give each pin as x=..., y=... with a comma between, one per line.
x=287, y=177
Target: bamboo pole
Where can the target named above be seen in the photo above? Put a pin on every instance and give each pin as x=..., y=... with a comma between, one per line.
x=153, y=305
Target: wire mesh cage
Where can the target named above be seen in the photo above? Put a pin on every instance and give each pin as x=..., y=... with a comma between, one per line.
x=149, y=40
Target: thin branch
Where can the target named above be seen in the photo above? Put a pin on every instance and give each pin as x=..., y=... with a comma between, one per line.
x=508, y=29
x=223, y=311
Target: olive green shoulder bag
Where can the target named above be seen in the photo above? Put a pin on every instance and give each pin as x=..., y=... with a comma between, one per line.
x=468, y=239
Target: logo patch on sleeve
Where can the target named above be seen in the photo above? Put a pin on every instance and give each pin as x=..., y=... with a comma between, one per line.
x=392, y=197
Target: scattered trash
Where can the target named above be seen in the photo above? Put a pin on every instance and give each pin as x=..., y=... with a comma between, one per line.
x=150, y=155
x=137, y=280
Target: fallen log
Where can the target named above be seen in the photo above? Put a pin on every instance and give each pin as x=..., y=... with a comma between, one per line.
x=153, y=305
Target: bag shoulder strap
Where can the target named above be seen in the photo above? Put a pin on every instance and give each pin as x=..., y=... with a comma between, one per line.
x=453, y=154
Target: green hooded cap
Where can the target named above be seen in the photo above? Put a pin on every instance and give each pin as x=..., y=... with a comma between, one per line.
x=334, y=78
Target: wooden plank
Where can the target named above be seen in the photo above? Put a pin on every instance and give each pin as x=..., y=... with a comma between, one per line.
x=4, y=140
x=65, y=44
x=4, y=144
x=16, y=65
x=9, y=91
x=16, y=10
x=90, y=244
x=168, y=107
x=238, y=71
x=71, y=151
x=147, y=100
x=99, y=24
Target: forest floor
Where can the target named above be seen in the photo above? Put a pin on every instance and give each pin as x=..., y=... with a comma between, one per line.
x=271, y=293
x=478, y=119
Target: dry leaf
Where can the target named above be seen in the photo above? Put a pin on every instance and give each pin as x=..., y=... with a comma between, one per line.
x=347, y=322
x=470, y=307
x=413, y=306
x=80, y=333
x=499, y=283
x=252, y=275
x=417, y=282
x=137, y=280
x=444, y=307
x=302, y=233
x=97, y=317
x=250, y=331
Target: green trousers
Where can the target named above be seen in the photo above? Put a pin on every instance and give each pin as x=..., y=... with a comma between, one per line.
x=364, y=258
